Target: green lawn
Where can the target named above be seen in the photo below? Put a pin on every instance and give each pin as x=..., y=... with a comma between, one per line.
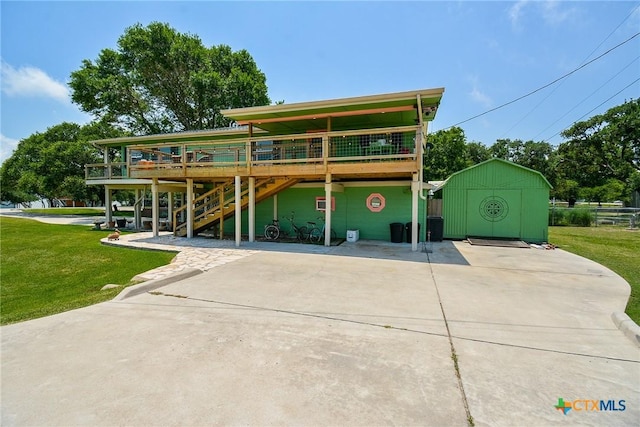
x=614, y=247
x=47, y=269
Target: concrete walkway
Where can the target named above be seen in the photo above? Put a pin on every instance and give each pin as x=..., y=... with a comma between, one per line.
x=360, y=334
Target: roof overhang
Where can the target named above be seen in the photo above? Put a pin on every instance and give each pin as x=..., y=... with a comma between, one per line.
x=375, y=111
x=180, y=137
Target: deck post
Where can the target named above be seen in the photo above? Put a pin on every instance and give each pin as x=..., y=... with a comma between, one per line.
x=252, y=209
x=170, y=208
x=327, y=210
x=108, y=215
x=221, y=202
x=275, y=206
x=238, y=209
x=137, y=212
x=415, y=189
x=155, y=207
x=189, y=208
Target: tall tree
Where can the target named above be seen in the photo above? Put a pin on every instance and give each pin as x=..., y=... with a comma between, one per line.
x=477, y=153
x=447, y=154
x=50, y=165
x=604, y=147
x=160, y=80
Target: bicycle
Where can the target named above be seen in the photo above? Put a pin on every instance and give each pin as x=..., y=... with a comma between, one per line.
x=316, y=235
x=273, y=231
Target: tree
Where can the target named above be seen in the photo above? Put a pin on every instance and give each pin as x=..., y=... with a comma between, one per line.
x=568, y=190
x=604, y=147
x=160, y=80
x=477, y=153
x=50, y=165
x=530, y=154
x=447, y=154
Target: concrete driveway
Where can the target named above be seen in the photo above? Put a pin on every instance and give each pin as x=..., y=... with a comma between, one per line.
x=363, y=334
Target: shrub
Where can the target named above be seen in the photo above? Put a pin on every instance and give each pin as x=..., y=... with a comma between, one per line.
x=580, y=217
x=570, y=216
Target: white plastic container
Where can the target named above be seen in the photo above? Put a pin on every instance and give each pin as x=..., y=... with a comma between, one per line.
x=353, y=235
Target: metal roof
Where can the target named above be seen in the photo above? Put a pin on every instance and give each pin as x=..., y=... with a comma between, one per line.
x=374, y=111
x=364, y=112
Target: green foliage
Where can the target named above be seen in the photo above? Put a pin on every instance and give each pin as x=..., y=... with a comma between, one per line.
x=48, y=269
x=51, y=164
x=447, y=154
x=530, y=154
x=160, y=80
x=566, y=189
x=477, y=153
x=596, y=244
x=572, y=216
x=602, y=148
x=580, y=217
x=612, y=190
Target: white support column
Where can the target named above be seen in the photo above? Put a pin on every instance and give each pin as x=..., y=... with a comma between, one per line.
x=275, y=206
x=170, y=209
x=238, y=210
x=252, y=209
x=137, y=212
x=155, y=207
x=415, y=189
x=327, y=216
x=189, y=202
x=108, y=212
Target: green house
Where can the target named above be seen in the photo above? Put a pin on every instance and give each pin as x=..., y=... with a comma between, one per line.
x=497, y=199
x=354, y=164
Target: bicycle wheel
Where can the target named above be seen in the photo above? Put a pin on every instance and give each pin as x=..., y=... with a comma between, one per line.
x=334, y=236
x=302, y=233
x=315, y=235
x=271, y=232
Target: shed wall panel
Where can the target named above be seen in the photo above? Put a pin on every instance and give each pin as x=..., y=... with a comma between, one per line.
x=525, y=191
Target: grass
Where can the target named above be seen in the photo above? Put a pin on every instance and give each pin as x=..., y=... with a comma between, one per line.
x=47, y=269
x=614, y=247
x=77, y=211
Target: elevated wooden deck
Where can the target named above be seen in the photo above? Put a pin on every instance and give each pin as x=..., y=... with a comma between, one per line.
x=380, y=153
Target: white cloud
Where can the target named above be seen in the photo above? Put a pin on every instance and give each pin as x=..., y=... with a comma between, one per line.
x=32, y=82
x=7, y=145
x=554, y=14
x=477, y=95
x=515, y=12
x=480, y=97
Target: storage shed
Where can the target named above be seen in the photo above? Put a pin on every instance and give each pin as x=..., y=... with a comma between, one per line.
x=497, y=199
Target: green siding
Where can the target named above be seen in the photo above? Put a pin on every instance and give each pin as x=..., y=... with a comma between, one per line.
x=350, y=211
x=496, y=199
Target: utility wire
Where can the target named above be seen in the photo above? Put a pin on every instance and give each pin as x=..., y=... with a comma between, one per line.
x=548, y=84
x=588, y=96
x=557, y=87
x=599, y=105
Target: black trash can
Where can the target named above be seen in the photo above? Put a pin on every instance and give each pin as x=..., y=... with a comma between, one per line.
x=397, y=230
x=435, y=226
x=408, y=227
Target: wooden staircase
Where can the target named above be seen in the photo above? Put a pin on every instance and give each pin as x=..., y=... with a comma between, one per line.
x=217, y=204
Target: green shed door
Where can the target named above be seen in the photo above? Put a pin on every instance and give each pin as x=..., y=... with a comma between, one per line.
x=494, y=213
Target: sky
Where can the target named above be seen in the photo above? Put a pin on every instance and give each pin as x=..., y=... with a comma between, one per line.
x=484, y=53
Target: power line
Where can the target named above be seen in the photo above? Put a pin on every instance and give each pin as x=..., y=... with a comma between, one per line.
x=548, y=84
x=599, y=105
x=557, y=87
x=588, y=96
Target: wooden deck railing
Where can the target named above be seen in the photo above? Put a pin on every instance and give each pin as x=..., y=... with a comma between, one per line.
x=244, y=155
